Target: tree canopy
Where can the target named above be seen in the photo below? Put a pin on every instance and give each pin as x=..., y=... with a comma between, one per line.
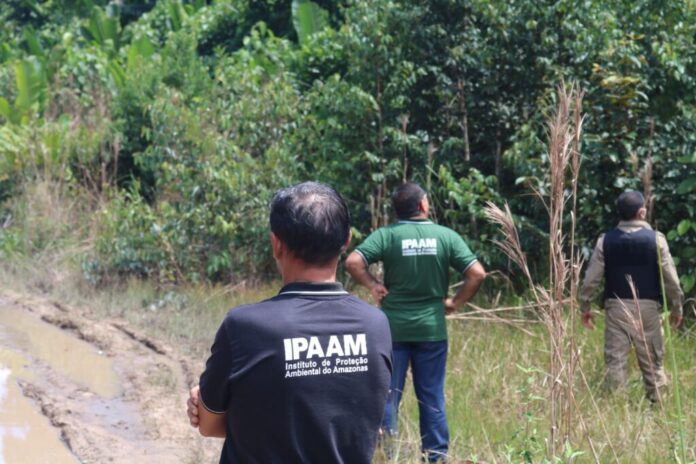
x=182, y=117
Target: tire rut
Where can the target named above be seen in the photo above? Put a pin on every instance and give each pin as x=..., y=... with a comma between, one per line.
x=144, y=422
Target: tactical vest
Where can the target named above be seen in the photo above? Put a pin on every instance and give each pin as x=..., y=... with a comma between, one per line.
x=633, y=254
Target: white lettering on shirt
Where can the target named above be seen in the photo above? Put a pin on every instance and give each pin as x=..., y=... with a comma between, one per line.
x=314, y=348
x=345, y=354
x=334, y=348
x=299, y=345
x=355, y=346
x=307, y=348
x=418, y=246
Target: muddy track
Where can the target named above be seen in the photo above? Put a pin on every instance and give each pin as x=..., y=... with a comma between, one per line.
x=131, y=411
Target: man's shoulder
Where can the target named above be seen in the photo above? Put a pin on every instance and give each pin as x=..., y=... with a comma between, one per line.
x=250, y=311
x=449, y=234
x=260, y=310
x=446, y=230
x=662, y=242
x=431, y=227
x=376, y=233
x=628, y=228
x=385, y=229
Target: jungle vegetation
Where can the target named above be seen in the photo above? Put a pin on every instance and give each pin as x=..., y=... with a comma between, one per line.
x=173, y=121
x=141, y=143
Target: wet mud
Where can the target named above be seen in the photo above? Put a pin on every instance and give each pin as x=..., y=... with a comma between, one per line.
x=82, y=363
x=22, y=427
x=90, y=391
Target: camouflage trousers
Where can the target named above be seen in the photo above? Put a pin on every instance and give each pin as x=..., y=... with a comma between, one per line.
x=638, y=326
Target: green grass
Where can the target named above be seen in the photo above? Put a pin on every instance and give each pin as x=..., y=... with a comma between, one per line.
x=496, y=400
x=496, y=385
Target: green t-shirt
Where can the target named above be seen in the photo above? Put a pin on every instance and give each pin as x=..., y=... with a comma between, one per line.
x=417, y=255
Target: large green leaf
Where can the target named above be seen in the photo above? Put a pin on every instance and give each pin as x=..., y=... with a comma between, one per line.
x=33, y=43
x=198, y=4
x=117, y=72
x=12, y=143
x=102, y=29
x=689, y=159
x=6, y=52
x=23, y=76
x=684, y=226
x=6, y=110
x=308, y=19
x=32, y=89
x=688, y=281
x=177, y=14
x=687, y=185
x=31, y=84
x=140, y=47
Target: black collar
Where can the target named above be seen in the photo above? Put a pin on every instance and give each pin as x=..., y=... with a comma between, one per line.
x=313, y=288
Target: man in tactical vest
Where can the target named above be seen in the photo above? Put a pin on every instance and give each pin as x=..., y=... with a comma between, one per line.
x=630, y=259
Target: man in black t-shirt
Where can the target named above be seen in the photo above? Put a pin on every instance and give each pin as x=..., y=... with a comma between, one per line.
x=301, y=377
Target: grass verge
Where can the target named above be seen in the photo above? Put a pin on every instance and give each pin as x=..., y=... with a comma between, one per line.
x=497, y=380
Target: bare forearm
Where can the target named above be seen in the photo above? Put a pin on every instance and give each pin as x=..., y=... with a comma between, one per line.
x=473, y=278
x=467, y=291
x=210, y=425
x=358, y=269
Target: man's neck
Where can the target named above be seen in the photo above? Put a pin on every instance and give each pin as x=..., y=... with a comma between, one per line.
x=634, y=223
x=419, y=217
x=297, y=271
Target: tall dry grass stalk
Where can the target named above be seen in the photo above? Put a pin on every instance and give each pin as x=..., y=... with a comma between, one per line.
x=575, y=256
x=669, y=343
x=560, y=139
x=646, y=179
x=656, y=372
x=564, y=131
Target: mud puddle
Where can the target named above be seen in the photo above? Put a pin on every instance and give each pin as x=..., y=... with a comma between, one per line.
x=25, y=434
x=79, y=361
x=94, y=390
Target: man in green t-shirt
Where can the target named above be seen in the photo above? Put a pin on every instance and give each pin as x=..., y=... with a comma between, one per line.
x=417, y=255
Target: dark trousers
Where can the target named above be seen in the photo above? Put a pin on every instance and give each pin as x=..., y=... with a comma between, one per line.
x=428, y=361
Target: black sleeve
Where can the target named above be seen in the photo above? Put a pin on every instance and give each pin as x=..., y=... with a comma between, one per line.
x=215, y=393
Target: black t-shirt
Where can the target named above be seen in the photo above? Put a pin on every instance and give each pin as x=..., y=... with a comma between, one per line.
x=302, y=377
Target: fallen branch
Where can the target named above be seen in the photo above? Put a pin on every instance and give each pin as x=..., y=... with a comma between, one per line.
x=511, y=322
x=527, y=307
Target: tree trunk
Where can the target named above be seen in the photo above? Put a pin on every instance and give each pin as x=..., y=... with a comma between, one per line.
x=498, y=154
x=404, y=133
x=464, y=123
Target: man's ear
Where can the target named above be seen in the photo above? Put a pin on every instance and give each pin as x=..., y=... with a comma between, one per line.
x=277, y=246
x=347, y=244
x=423, y=205
x=642, y=213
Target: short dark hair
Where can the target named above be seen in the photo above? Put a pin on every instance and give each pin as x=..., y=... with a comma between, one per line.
x=406, y=198
x=628, y=204
x=312, y=220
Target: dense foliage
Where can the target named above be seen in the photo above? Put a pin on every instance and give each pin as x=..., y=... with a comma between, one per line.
x=180, y=118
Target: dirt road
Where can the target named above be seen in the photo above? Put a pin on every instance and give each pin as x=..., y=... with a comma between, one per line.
x=76, y=389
